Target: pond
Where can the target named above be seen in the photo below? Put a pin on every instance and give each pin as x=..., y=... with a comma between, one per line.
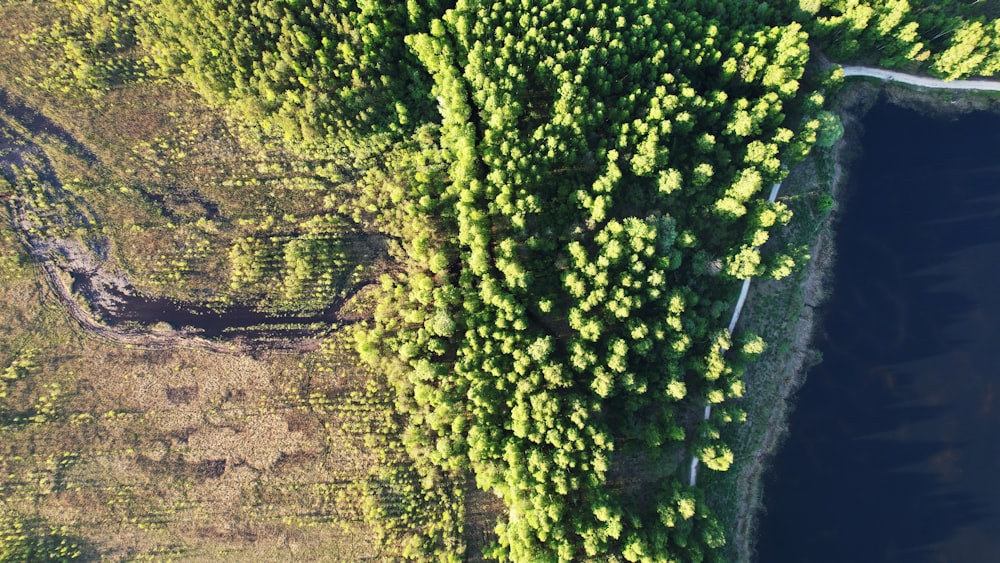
x=894, y=445
x=246, y=323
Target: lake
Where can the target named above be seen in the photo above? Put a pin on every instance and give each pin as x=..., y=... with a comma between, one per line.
x=894, y=445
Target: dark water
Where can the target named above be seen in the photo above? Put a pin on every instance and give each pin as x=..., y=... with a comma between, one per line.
x=894, y=452
x=230, y=322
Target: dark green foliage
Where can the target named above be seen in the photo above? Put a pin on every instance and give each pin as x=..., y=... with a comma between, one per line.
x=28, y=541
x=825, y=203
x=951, y=39
x=830, y=129
x=597, y=182
x=571, y=223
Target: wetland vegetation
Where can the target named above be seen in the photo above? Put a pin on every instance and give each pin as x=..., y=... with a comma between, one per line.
x=503, y=240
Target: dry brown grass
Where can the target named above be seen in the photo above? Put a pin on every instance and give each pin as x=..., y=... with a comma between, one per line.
x=228, y=465
x=181, y=453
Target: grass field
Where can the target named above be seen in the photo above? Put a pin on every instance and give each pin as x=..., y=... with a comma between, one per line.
x=156, y=453
x=174, y=181
x=159, y=453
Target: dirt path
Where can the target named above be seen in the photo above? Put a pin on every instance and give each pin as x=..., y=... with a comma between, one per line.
x=791, y=369
x=922, y=81
x=693, y=472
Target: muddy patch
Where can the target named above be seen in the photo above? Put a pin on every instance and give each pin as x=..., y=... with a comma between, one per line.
x=101, y=298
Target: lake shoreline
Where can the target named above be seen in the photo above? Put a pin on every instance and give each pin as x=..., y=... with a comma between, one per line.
x=788, y=308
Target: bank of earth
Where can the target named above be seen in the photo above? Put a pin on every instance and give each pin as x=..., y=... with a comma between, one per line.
x=787, y=312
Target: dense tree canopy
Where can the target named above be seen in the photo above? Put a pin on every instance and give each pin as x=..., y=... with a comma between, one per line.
x=951, y=39
x=601, y=170
x=312, y=67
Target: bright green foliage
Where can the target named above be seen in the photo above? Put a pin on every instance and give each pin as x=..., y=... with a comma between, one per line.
x=947, y=38
x=307, y=270
x=716, y=457
x=311, y=68
x=20, y=367
x=11, y=410
x=96, y=38
x=23, y=541
x=565, y=179
x=974, y=49
x=572, y=190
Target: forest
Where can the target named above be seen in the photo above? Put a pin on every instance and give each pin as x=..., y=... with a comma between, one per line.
x=571, y=192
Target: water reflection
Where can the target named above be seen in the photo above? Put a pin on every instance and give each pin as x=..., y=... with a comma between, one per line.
x=892, y=453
